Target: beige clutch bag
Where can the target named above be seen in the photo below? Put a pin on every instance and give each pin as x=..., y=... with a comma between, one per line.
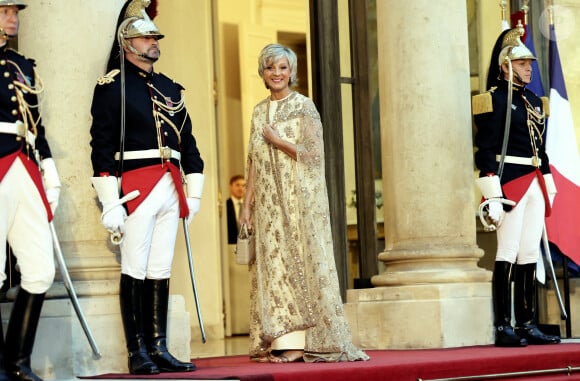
x=245, y=252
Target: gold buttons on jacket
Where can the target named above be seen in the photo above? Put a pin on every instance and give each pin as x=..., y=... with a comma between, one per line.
x=14, y=112
x=2, y=62
x=6, y=74
x=10, y=86
x=13, y=98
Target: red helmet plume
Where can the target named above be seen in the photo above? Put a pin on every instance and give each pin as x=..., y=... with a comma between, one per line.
x=152, y=9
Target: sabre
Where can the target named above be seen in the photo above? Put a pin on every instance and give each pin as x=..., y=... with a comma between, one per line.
x=71, y=292
x=548, y=256
x=192, y=275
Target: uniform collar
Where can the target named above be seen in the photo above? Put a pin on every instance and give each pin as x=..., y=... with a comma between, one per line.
x=138, y=71
x=515, y=88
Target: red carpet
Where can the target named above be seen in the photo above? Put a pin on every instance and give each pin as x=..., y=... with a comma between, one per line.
x=398, y=365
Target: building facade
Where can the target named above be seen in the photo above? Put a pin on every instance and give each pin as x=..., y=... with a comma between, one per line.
x=431, y=264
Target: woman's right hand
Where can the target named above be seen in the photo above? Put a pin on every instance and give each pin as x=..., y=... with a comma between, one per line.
x=245, y=216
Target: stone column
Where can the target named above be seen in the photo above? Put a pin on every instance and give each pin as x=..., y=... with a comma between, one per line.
x=431, y=293
x=70, y=44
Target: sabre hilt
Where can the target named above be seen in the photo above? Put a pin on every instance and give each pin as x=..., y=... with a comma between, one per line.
x=488, y=225
x=117, y=236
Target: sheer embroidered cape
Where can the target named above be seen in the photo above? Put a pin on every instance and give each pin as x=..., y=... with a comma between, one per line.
x=294, y=284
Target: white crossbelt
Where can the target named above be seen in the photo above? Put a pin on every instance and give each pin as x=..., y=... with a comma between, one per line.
x=533, y=161
x=19, y=129
x=164, y=153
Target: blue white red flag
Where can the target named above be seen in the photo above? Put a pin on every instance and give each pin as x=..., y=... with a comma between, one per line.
x=562, y=149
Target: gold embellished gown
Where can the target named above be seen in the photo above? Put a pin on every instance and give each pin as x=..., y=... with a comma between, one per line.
x=294, y=284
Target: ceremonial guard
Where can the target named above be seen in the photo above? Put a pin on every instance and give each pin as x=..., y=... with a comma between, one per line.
x=516, y=183
x=29, y=192
x=142, y=141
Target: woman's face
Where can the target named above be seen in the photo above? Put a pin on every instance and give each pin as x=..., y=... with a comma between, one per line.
x=277, y=75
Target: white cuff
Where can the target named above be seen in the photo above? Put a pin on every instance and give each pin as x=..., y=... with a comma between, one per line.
x=550, y=184
x=489, y=186
x=49, y=173
x=107, y=188
x=194, y=183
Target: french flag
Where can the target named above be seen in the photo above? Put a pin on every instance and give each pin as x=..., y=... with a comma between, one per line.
x=536, y=84
x=563, y=225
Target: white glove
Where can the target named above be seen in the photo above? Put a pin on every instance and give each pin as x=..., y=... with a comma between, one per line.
x=193, y=205
x=490, y=188
x=495, y=212
x=113, y=218
x=51, y=182
x=550, y=187
x=52, y=195
x=114, y=214
x=194, y=182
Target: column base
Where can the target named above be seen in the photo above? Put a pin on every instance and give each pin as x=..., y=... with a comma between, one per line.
x=62, y=351
x=421, y=316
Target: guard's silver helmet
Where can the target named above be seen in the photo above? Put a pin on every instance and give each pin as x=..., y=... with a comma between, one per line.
x=137, y=22
x=19, y=4
x=9, y=3
x=512, y=47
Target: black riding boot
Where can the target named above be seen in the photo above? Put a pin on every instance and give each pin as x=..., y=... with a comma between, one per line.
x=3, y=375
x=502, y=307
x=525, y=306
x=131, y=296
x=155, y=304
x=20, y=335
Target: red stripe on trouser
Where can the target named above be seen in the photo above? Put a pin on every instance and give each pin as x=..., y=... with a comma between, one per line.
x=176, y=175
x=542, y=182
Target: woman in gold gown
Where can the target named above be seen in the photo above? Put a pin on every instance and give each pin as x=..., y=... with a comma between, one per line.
x=296, y=312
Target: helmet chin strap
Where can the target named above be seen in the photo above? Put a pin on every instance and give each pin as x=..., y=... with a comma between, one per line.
x=519, y=78
x=5, y=35
x=145, y=57
x=141, y=55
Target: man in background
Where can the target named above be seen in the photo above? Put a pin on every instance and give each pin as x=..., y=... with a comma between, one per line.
x=233, y=206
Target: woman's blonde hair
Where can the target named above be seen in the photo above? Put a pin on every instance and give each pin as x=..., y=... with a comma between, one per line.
x=274, y=52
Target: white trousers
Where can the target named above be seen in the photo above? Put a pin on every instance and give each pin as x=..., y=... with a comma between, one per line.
x=150, y=233
x=519, y=235
x=24, y=225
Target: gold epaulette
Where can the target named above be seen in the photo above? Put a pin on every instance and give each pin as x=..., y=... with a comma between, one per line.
x=109, y=77
x=546, y=105
x=481, y=103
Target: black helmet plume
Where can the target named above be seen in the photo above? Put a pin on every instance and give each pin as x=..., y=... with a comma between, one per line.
x=494, y=70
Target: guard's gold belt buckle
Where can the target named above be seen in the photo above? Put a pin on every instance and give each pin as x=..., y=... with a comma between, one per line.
x=20, y=129
x=166, y=153
x=535, y=161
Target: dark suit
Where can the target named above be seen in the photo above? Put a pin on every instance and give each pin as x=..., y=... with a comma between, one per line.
x=232, y=222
